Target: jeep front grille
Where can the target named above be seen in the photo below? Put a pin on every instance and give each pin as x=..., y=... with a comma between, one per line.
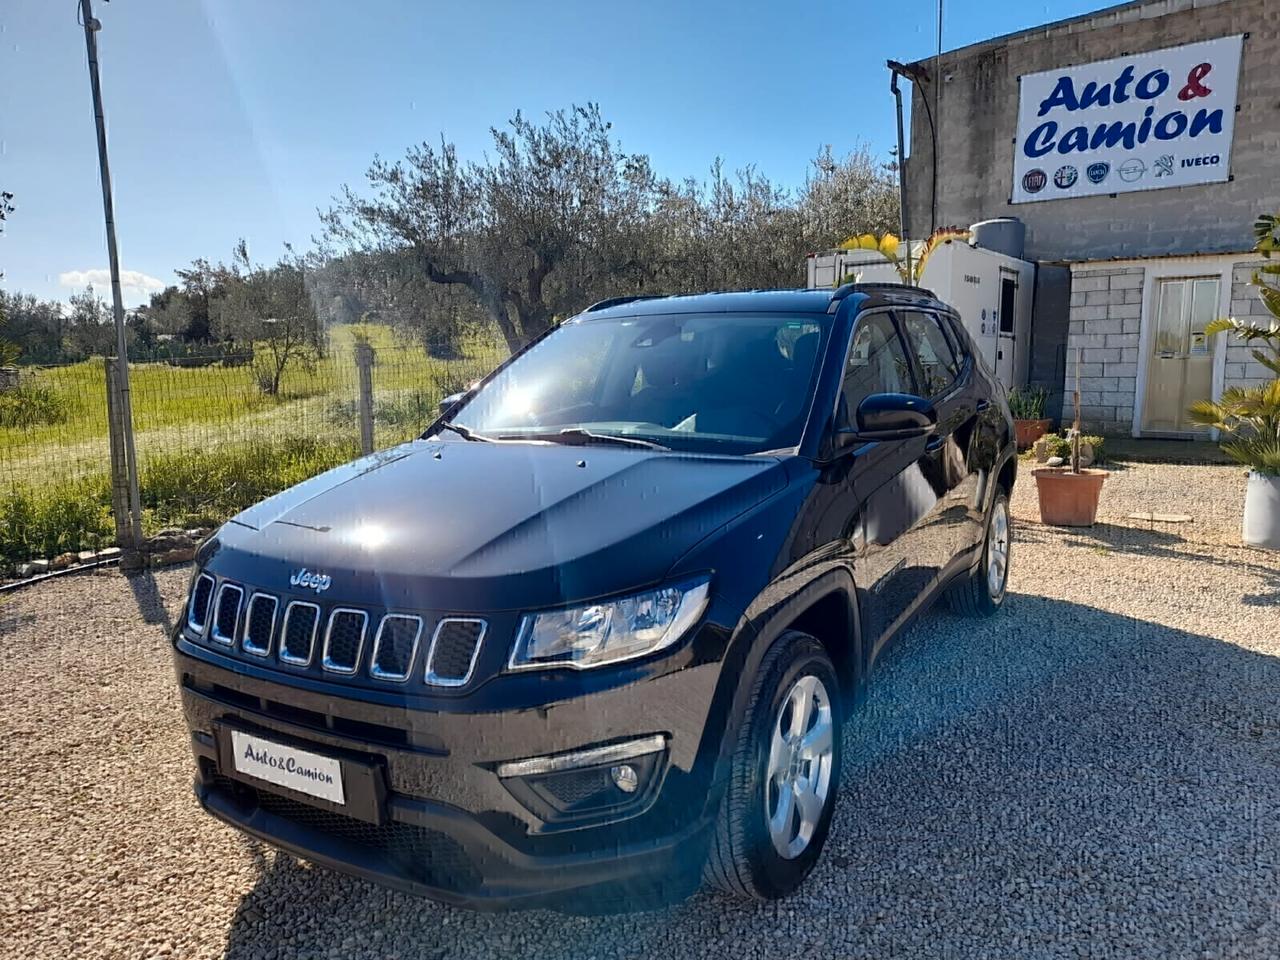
x=227, y=613
x=259, y=624
x=453, y=651
x=198, y=608
x=394, y=647
x=298, y=637
x=343, y=640
x=267, y=627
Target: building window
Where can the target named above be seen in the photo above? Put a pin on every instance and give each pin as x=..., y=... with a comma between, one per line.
x=1184, y=307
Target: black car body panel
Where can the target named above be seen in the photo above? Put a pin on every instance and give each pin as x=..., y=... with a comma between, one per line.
x=848, y=544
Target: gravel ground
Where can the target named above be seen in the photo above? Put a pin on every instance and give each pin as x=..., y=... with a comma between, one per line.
x=1212, y=495
x=1095, y=772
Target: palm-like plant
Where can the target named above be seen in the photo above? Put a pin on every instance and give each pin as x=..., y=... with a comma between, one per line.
x=1250, y=416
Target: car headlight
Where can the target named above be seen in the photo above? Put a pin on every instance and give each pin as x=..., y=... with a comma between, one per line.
x=610, y=631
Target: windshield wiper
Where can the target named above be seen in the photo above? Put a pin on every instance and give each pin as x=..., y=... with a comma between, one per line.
x=466, y=433
x=577, y=436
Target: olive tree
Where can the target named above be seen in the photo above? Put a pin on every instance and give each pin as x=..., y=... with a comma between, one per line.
x=269, y=309
x=526, y=231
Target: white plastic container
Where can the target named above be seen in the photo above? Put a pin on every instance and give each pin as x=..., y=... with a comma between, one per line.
x=1262, y=511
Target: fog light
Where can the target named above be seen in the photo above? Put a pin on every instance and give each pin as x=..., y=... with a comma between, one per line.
x=625, y=778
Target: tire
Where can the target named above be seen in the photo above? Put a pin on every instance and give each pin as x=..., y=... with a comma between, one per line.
x=745, y=859
x=976, y=594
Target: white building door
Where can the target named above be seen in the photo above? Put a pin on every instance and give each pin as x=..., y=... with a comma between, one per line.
x=1180, y=361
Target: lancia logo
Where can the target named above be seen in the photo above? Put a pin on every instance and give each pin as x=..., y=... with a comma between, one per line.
x=319, y=582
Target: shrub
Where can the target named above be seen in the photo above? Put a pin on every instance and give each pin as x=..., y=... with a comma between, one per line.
x=409, y=412
x=31, y=405
x=47, y=522
x=1027, y=403
x=182, y=488
x=1061, y=447
x=201, y=488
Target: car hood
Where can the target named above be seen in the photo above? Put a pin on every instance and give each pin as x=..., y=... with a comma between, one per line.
x=488, y=526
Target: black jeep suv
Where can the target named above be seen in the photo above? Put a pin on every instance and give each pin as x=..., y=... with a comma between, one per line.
x=597, y=630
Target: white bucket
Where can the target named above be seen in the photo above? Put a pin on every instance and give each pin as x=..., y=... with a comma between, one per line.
x=1262, y=511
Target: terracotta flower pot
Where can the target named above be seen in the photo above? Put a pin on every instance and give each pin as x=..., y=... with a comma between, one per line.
x=1068, y=499
x=1028, y=432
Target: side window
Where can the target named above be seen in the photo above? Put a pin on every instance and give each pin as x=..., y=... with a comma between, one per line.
x=935, y=360
x=956, y=336
x=876, y=364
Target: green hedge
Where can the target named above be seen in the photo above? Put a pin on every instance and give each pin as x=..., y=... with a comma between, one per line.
x=179, y=489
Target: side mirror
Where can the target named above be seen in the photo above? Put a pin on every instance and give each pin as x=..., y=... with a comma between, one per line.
x=890, y=416
x=449, y=402
x=895, y=416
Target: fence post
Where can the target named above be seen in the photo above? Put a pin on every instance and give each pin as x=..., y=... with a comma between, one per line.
x=364, y=367
x=119, y=462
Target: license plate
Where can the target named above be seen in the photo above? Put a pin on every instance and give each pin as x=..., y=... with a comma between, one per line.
x=290, y=767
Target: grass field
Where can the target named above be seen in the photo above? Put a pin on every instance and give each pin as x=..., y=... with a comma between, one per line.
x=209, y=440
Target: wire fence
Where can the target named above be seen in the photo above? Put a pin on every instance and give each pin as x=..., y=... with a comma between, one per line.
x=214, y=433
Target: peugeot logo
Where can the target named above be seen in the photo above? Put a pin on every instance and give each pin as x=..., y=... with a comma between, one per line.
x=319, y=582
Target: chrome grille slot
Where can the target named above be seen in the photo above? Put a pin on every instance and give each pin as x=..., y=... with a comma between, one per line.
x=395, y=647
x=298, y=636
x=454, y=648
x=259, y=624
x=343, y=640
x=198, y=607
x=226, y=613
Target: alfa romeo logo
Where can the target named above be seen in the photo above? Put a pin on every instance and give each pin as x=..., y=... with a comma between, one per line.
x=1066, y=177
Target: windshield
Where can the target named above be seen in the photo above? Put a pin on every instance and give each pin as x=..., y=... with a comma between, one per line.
x=726, y=383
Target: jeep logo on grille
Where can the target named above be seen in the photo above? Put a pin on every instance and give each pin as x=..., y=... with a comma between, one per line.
x=319, y=582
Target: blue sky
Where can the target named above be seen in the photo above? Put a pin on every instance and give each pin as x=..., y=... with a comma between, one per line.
x=230, y=118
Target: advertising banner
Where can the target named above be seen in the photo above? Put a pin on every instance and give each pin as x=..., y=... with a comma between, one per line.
x=1141, y=122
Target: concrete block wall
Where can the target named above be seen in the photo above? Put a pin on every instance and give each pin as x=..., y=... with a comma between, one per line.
x=1242, y=370
x=1106, y=312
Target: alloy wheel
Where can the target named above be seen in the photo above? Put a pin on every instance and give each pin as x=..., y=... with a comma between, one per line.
x=801, y=756
x=998, y=549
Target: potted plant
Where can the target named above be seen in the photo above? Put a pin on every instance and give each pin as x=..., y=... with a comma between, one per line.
x=1069, y=494
x=1027, y=406
x=1249, y=417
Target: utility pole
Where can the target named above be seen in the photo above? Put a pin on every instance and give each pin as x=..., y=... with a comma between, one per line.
x=125, y=418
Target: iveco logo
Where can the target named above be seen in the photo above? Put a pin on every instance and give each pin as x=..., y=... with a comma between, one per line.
x=319, y=582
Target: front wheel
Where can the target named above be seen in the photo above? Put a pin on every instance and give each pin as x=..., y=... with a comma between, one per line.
x=785, y=772
x=981, y=593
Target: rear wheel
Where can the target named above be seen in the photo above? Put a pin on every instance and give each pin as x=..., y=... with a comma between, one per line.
x=785, y=772
x=981, y=592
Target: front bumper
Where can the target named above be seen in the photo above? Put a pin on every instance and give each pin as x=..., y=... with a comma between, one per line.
x=428, y=813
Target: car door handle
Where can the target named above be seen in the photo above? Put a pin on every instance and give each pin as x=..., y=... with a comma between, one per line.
x=983, y=406
x=934, y=444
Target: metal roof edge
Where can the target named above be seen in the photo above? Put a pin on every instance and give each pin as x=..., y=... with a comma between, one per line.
x=1067, y=262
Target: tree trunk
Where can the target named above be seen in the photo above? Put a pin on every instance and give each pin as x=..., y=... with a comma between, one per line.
x=510, y=333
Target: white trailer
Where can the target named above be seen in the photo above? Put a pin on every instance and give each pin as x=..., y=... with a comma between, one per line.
x=992, y=291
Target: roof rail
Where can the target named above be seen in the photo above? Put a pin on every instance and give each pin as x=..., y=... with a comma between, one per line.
x=618, y=301
x=883, y=287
